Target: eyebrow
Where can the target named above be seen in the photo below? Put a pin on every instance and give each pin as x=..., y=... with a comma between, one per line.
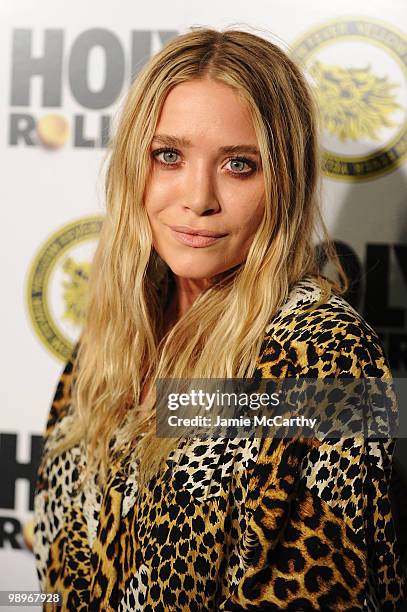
x=175, y=141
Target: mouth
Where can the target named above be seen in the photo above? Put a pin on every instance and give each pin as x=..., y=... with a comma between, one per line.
x=195, y=240
x=184, y=229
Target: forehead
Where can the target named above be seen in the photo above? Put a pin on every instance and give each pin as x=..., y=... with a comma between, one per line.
x=206, y=109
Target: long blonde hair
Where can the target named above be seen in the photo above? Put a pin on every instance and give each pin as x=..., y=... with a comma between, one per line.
x=123, y=344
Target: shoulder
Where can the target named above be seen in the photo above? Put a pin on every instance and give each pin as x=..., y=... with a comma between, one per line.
x=325, y=338
x=62, y=400
x=302, y=318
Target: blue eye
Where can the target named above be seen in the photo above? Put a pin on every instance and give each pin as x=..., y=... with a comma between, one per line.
x=170, y=152
x=237, y=164
x=169, y=156
x=241, y=167
x=243, y=161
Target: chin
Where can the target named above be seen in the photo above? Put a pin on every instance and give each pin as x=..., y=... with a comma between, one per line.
x=192, y=274
x=193, y=270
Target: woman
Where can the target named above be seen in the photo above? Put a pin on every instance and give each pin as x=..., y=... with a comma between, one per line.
x=206, y=268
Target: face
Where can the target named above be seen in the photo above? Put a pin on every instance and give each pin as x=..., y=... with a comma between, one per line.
x=205, y=175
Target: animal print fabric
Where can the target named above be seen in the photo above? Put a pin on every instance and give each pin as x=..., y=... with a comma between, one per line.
x=243, y=524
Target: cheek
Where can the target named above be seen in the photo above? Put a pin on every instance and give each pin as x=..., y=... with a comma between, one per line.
x=156, y=195
x=248, y=215
x=246, y=195
x=154, y=206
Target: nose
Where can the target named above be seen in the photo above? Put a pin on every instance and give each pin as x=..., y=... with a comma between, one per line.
x=200, y=194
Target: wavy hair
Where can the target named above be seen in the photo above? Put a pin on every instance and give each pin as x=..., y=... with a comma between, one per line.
x=123, y=345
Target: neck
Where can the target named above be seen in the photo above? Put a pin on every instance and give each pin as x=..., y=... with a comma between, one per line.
x=184, y=292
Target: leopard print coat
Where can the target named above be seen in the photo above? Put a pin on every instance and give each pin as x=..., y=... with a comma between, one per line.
x=243, y=524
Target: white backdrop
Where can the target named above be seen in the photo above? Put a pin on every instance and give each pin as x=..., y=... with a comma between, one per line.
x=52, y=196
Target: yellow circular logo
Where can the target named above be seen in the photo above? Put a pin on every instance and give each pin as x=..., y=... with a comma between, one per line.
x=358, y=70
x=57, y=284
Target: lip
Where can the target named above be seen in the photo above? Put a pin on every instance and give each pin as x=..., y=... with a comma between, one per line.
x=184, y=229
x=195, y=240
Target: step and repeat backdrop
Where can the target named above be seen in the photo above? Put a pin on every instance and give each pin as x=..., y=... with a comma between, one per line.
x=65, y=70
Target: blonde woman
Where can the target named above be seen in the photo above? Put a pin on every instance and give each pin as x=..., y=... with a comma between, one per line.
x=206, y=268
